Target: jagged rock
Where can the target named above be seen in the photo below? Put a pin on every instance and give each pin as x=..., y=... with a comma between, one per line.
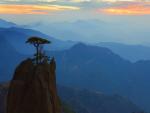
x=33, y=89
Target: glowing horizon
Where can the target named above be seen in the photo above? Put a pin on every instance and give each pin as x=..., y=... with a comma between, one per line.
x=33, y=9
x=131, y=9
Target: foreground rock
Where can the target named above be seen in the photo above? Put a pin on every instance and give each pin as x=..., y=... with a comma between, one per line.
x=84, y=101
x=33, y=89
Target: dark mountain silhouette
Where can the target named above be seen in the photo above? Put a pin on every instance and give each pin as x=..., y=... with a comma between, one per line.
x=84, y=101
x=99, y=69
x=92, y=66
x=130, y=52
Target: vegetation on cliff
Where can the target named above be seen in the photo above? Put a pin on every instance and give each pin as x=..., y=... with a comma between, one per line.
x=33, y=87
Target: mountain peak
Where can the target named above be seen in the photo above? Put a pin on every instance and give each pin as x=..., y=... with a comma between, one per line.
x=79, y=45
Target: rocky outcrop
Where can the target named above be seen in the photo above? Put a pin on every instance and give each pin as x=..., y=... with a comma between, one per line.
x=84, y=101
x=33, y=89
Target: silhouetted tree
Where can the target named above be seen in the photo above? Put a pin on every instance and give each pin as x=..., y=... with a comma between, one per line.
x=38, y=42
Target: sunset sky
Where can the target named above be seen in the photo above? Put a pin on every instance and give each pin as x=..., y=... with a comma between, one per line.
x=60, y=10
x=130, y=16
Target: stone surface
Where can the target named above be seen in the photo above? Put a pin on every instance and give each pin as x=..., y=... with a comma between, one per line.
x=33, y=89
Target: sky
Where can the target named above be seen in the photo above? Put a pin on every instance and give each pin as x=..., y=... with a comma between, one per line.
x=134, y=14
x=25, y=11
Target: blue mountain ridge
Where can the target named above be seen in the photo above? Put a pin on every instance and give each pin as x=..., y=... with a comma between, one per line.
x=82, y=66
x=99, y=69
x=130, y=52
x=6, y=24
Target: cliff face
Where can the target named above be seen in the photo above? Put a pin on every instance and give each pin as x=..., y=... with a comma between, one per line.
x=33, y=89
x=3, y=96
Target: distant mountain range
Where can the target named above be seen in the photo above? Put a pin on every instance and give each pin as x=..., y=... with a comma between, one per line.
x=65, y=29
x=81, y=66
x=95, y=31
x=79, y=30
x=6, y=24
x=84, y=101
x=99, y=69
x=18, y=36
x=131, y=52
x=92, y=31
x=21, y=33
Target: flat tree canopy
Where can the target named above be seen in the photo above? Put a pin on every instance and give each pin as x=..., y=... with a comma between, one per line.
x=37, y=40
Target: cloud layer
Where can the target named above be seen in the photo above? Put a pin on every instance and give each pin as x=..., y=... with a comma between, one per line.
x=128, y=8
x=33, y=9
x=115, y=7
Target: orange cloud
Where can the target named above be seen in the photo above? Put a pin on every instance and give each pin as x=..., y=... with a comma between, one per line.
x=33, y=9
x=138, y=9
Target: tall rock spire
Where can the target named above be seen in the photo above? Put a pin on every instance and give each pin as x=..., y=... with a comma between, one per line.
x=33, y=89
